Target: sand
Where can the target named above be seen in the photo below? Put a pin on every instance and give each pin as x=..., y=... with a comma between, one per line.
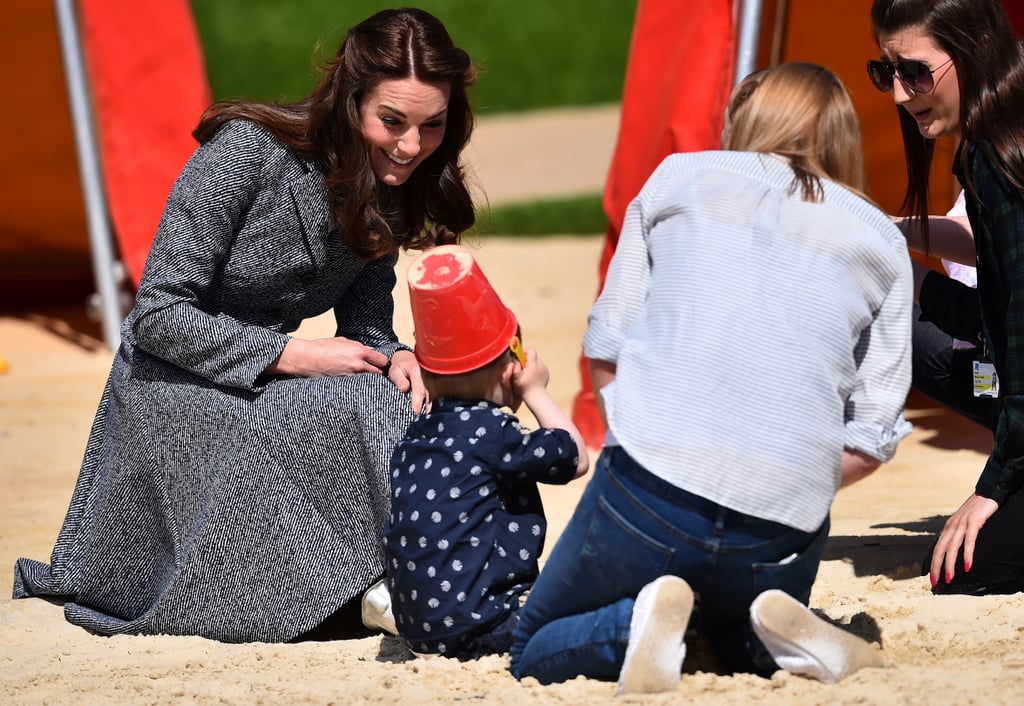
x=938, y=650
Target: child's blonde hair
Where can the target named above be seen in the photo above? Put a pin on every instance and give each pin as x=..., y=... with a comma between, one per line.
x=801, y=111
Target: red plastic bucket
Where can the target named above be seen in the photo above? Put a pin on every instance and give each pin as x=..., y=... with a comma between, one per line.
x=459, y=322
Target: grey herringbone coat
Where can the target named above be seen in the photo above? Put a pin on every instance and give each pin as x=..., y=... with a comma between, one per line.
x=212, y=501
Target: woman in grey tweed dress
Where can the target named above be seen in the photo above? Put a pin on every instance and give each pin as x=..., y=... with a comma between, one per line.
x=234, y=485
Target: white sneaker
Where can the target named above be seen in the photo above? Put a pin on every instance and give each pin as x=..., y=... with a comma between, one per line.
x=802, y=643
x=654, y=655
x=376, y=609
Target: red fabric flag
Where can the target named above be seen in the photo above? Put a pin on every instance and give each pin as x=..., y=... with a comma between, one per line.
x=149, y=88
x=1015, y=11
x=678, y=77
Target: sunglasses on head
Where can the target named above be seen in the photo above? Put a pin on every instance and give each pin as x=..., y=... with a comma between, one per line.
x=913, y=74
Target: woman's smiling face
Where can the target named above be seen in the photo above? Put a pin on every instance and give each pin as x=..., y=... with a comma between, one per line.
x=403, y=122
x=937, y=112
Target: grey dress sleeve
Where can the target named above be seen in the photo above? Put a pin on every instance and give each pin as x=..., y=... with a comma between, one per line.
x=366, y=311
x=176, y=317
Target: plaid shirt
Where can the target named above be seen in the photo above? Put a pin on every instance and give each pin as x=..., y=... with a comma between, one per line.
x=996, y=213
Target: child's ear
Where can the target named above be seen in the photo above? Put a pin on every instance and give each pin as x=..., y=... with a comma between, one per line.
x=506, y=374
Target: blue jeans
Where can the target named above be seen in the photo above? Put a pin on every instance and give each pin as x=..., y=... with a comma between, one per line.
x=631, y=527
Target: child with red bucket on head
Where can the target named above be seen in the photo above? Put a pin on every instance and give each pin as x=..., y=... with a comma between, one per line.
x=467, y=524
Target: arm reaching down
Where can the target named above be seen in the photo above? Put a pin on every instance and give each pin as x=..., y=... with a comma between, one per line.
x=856, y=466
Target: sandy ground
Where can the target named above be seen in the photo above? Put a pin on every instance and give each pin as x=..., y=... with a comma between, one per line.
x=940, y=650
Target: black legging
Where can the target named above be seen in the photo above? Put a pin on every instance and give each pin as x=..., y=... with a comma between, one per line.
x=945, y=374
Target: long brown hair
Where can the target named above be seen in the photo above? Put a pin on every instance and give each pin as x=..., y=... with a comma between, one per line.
x=803, y=112
x=434, y=205
x=977, y=36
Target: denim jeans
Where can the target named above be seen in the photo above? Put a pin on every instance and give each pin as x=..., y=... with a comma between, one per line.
x=631, y=527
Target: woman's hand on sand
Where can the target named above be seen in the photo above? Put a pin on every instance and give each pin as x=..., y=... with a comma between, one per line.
x=405, y=373
x=960, y=529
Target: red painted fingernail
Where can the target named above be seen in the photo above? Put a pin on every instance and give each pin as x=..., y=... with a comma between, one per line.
x=967, y=567
x=931, y=577
x=949, y=577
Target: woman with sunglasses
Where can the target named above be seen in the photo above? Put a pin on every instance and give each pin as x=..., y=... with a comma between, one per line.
x=955, y=69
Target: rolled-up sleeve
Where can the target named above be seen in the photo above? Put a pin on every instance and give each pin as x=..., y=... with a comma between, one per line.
x=624, y=294
x=874, y=411
x=209, y=200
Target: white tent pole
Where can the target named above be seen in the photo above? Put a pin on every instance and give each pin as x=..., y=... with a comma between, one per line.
x=100, y=235
x=747, y=40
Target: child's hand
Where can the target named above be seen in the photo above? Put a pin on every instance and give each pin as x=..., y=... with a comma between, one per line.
x=534, y=376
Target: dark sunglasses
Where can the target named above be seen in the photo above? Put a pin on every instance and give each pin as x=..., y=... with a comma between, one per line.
x=913, y=74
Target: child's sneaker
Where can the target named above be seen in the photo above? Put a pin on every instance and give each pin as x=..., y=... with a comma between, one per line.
x=654, y=655
x=376, y=609
x=802, y=643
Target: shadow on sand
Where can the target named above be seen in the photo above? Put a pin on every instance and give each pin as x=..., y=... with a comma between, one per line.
x=897, y=556
x=948, y=430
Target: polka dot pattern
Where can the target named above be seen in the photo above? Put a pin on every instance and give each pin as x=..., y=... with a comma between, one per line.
x=467, y=523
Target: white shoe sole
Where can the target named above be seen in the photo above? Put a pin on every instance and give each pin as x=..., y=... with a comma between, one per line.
x=802, y=643
x=655, y=652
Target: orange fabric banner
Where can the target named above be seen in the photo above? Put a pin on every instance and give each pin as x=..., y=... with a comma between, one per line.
x=149, y=88
x=678, y=76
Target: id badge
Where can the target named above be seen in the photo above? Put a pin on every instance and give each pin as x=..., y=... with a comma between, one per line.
x=986, y=383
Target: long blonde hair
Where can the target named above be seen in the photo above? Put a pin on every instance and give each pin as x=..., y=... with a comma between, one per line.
x=801, y=111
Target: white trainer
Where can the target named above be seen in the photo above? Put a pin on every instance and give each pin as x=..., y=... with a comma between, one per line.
x=802, y=643
x=376, y=609
x=655, y=652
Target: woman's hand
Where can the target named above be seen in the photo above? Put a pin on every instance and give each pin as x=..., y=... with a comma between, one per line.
x=961, y=528
x=327, y=356
x=343, y=356
x=405, y=373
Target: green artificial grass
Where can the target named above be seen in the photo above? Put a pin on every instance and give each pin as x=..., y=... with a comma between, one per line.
x=531, y=53
x=579, y=215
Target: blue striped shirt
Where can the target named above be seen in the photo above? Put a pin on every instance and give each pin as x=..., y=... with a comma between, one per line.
x=755, y=334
